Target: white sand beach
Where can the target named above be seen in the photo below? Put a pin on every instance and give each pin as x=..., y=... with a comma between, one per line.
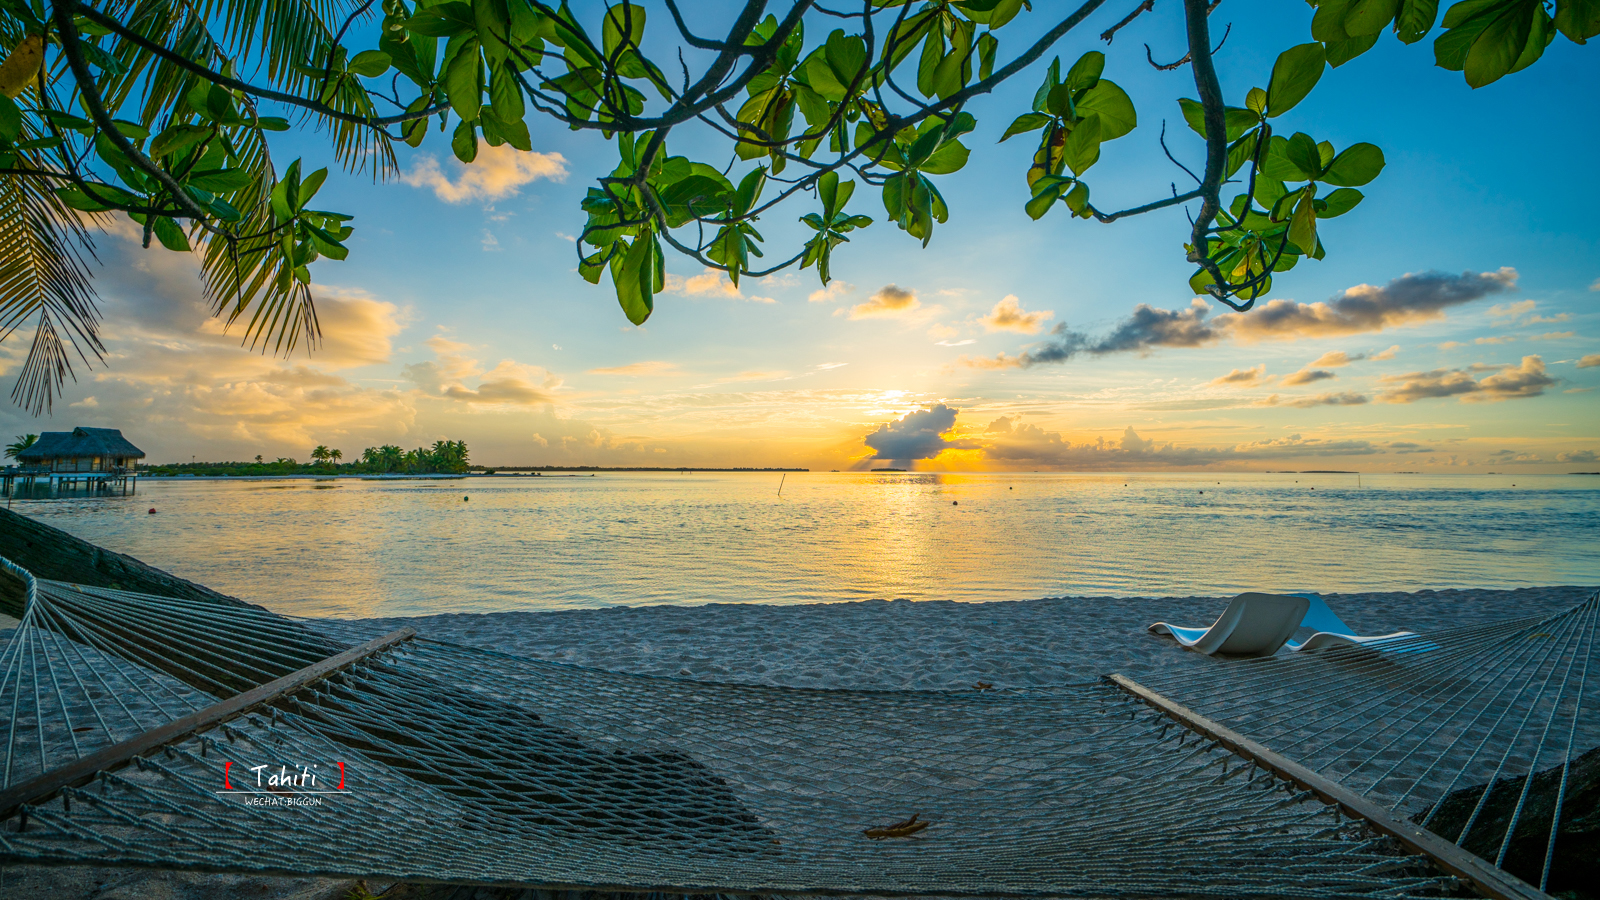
x=862, y=645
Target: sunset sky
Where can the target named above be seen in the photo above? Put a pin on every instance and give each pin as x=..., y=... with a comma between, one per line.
x=1452, y=327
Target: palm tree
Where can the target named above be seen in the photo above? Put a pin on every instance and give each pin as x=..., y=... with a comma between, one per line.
x=23, y=442
x=320, y=454
x=335, y=455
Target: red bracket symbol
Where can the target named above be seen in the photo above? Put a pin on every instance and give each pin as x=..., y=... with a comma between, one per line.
x=341, y=776
x=227, y=785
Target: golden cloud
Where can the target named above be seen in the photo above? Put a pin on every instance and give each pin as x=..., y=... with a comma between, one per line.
x=890, y=301
x=497, y=172
x=1008, y=315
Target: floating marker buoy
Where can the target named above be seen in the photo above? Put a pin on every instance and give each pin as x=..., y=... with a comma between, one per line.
x=463, y=499
x=152, y=511
x=1010, y=489
x=954, y=503
x=1202, y=492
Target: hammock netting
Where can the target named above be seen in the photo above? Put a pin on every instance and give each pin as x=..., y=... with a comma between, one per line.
x=437, y=762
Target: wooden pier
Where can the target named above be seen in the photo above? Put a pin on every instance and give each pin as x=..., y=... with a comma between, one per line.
x=121, y=480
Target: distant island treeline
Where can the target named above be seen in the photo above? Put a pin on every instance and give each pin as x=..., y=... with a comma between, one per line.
x=443, y=458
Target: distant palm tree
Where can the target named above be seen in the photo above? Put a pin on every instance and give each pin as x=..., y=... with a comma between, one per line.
x=320, y=454
x=258, y=457
x=335, y=455
x=23, y=442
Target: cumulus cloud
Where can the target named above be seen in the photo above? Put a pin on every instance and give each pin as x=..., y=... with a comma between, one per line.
x=915, y=435
x=1307, y=376
x=1388, y=354
x=834, y=290
x=509, y=383
x=1407, y=300
x=1595, y=285
x=1511, y=310
x=1008, y=315
x=710, y=283
x=650, y=367
x=890, y=301
x=1410, y=447
x=1242, y=377
x=497, y=172
x=1527, y=379
x=1590, y=361
x=1334, y=359
x=1578, y=456
x=1345, y=398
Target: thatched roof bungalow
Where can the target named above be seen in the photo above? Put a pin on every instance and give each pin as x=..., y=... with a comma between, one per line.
x=81, y=450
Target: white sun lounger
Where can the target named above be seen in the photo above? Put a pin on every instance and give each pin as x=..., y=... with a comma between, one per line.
x=1331, y=631
x=1254, y=624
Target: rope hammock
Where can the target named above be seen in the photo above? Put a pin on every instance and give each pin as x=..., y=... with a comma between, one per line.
x=419, y=760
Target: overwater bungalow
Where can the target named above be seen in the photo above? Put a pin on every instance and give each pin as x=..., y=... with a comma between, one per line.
x=97, y=457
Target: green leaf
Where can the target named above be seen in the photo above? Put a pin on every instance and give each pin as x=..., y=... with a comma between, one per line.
x=1369, y=17
x=750, y=190
x=1303, y=155
x=950, y=157
x=1194, y=114
x=273, y=123
x=370, y=63
x=846, y=56
x=326, y=244
x=1111, y=104
x=1415, y=19
x=1077, y=200
x=1083, y=145
x=464, y=143
x=1339, y=202
x=443, y=20
x=629, y=274
x=1500, y=44
x=1327, y=25
x=1052, y=77
x=1025, y=123
x=463, y=77
x=505, y=96
x=1085, y=73
x=1579, y=20
x=1539, y=38
x=1256, y=101
x=1355, y=166
x=10, y=120
x=624, y=21
x=1341, y=52
x=1044, y=197
x=1293, y=76
x=221, y=181
x=1303, y=224
x=169, y=234
x=933, y=53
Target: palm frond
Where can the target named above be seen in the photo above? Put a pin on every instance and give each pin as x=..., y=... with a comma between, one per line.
x=44, y=278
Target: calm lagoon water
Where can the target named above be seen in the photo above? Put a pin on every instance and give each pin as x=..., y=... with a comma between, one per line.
x=347, y=547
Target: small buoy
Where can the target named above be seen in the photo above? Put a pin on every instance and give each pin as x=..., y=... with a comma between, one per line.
x=1202, y=492
x=152, y=511
x=463, y=499
x=954, y=503
x=1010, y=489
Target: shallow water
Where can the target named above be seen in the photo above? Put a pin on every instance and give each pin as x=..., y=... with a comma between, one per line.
x=356, y=548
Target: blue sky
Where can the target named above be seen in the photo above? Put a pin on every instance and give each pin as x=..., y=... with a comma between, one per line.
x=460, y=314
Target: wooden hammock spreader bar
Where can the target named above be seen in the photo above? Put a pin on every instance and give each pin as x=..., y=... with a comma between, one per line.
x=1489, y=880
x=83, y=771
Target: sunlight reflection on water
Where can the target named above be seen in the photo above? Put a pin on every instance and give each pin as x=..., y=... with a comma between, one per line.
x=362, y=548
